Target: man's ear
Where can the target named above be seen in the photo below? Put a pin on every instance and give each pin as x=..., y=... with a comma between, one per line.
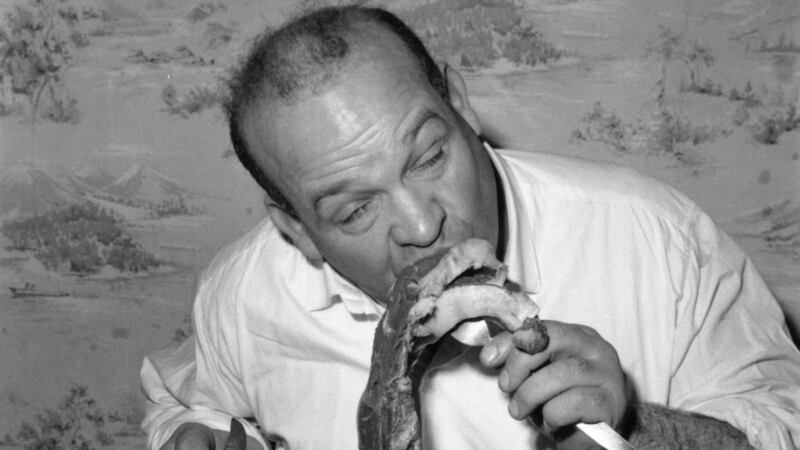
x=457, y=90
x=295, y=231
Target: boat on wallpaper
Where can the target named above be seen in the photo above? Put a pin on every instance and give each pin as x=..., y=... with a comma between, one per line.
x=29, y=290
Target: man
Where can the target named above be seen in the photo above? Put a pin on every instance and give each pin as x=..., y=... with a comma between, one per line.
x=372, y=159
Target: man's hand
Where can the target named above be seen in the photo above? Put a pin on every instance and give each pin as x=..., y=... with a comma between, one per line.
x=577, y=378
x=196, y=436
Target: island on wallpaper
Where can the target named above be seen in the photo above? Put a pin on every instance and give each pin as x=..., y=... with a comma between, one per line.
x=118, y=184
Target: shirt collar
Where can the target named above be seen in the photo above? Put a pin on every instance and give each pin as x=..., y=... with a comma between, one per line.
x=354, y=299
x=339, y=289
x=520, y=254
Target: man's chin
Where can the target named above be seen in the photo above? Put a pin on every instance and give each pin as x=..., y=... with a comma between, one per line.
x=383, y=298
x=380, y=294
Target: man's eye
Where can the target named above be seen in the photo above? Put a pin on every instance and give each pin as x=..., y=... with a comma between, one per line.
x=355, y=214
x=432, y=161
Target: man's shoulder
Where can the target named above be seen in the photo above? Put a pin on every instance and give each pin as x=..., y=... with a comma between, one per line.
x=579, y=175
x=570, y=178
x=262, y=242
x=261, y=256
x=263, y=271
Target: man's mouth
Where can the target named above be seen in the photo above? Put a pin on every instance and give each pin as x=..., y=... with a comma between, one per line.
x=438, y=251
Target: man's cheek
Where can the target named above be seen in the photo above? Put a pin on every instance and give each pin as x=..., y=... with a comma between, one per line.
x=364, y=263
x=463, y=202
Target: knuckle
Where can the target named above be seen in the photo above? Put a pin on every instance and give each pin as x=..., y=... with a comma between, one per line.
x=525, y=398
x=578, y=366
x=594, y=340
x=588, y=331
x=594, y=398
x=555, y=329
x=597, y=347
x=558, y=412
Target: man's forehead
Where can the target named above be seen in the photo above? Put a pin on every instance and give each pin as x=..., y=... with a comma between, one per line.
x=336, y=110
x=344, y=100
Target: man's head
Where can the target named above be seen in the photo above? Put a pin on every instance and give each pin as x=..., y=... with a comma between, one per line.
x=370, y=154
x=306, y=54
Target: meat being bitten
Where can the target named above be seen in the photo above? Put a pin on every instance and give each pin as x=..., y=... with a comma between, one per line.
x=429, y=299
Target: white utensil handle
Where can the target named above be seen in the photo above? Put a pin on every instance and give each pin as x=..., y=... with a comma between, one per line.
x=604, y=435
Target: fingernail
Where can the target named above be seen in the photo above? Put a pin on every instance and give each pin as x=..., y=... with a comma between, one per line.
x=513, y=408
x=491, y=354
x=503, y=380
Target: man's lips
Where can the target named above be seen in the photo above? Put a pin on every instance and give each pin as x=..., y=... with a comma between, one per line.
x=397, y=269
x=438, y=251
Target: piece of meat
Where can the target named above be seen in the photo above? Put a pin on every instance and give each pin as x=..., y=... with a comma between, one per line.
x=429, y=299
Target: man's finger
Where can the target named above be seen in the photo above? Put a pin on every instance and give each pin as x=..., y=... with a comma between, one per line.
x=519, y=365
x=533, y=389
x=566, y=338
x=550, y=379
x=495, y=353
x=581, y=404
x=563, y=338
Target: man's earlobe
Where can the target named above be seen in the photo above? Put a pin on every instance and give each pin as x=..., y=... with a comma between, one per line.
x=294, y=230
x=457, y=91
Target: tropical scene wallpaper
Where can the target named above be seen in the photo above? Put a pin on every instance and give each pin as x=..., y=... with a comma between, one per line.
x=118, y=183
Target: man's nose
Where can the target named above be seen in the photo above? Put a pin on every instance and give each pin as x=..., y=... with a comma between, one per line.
x=419, y=218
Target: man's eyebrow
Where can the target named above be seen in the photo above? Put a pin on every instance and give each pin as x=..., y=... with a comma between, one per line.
x=330, y=191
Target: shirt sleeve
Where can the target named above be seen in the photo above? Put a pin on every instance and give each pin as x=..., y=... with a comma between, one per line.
x=196, y=381
x=733, y=357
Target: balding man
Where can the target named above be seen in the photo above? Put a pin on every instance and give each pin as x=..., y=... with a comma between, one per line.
x=372, y=159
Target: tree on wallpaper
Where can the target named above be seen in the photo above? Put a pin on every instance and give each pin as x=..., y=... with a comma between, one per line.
x=38, y=46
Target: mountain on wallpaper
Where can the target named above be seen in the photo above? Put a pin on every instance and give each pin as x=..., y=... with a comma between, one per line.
x=94, y=177
x=28, y=191
x=143, y=184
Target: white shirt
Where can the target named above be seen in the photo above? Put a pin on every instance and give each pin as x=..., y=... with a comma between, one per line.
x=695, y=327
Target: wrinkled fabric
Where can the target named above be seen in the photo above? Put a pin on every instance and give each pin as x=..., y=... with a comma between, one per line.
x=288, y=344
